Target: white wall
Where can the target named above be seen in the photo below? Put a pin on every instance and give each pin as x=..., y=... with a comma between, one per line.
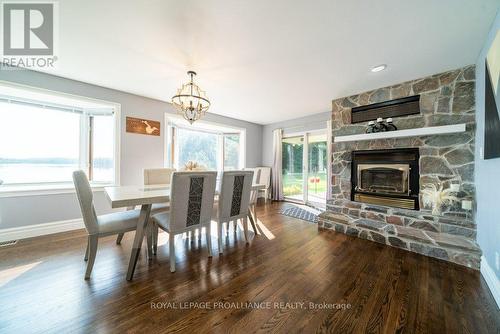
x=137, y=151
x=308, y=123
x=487, y=175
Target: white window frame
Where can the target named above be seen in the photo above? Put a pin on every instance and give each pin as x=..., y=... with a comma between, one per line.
x=44, y=188
x=172, y=123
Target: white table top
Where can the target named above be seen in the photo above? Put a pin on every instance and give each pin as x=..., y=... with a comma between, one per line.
x=124, y=196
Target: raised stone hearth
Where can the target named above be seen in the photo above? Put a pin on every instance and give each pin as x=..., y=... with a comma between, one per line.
x=445, y=99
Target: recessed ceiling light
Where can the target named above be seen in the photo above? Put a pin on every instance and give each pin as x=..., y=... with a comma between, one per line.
x=379, y=68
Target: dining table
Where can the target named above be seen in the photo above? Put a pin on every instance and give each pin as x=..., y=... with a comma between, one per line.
x=145, y=196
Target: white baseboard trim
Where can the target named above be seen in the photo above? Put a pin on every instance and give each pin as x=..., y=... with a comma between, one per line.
x=30, y=231
x=491, y=279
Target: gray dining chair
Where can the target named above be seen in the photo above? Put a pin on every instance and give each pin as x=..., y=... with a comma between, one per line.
x=234, y=200
x=191, y=203
x=254, y=196
x=158, y=175
x=256, y=174
x=154, y=176
x=265, y=178
x=99, y=226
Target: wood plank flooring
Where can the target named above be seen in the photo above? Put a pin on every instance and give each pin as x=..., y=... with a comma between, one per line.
x=376, y=289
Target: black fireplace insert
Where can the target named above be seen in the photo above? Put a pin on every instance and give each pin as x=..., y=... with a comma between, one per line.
x=386, y=177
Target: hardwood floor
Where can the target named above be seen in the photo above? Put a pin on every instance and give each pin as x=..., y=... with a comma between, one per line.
x=386, y=289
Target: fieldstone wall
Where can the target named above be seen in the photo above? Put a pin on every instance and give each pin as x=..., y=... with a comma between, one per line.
x=445, y=98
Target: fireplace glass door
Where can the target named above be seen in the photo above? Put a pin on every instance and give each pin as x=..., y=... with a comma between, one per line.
x=383, y=178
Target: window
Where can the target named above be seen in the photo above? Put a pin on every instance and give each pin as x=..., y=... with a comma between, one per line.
x=213, y=147
x=197, y=146
x=43, y=141
x=102, y=152
x=231, y=151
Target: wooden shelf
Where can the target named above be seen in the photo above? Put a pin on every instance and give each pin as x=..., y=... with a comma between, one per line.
x=428, y=131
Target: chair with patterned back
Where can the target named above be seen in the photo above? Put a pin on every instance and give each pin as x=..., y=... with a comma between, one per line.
x=191, y=204
x=234, y=200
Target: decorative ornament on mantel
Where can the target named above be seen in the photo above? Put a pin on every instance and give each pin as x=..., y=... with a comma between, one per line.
x=191, y=102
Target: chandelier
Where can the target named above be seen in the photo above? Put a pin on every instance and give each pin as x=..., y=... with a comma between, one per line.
x=190, y=101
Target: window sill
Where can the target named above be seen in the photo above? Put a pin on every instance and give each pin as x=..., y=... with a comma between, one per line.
x=45, y=189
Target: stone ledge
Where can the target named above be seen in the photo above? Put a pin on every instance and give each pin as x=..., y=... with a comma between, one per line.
x=452, y=241
x=422, y=220
x=443, y=246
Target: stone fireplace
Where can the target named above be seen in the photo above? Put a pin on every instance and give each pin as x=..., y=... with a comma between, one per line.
x=378, y=184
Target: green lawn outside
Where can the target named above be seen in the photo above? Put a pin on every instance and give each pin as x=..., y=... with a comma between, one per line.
x=292, y=184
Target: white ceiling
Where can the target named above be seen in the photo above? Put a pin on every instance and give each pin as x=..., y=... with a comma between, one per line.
x=266, y=61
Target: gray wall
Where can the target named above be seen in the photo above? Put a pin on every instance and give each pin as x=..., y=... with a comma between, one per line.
x=308, y=123
x=487, y=172
x=137, y=151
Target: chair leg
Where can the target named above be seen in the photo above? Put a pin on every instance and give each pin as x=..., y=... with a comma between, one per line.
x=155, y=238
x=171, y=244
x=92, y=254
x=235, y=225
x=149, y=240
x=87, y=249
x=227, y=228
x=245, y=228
x=119, y=238
x=209, y=239
x=219, y=236
x=200, y=232
x=253, y=218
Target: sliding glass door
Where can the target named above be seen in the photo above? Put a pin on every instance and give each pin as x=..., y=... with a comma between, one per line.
x=293, y=168
x=304, y=167
x=316, y=171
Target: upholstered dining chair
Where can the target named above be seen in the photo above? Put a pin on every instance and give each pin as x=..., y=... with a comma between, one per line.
x=99, y=226
x=254, y=195
x=265, y=178
x=191, y=204
x=256, y=174
x=154, y=176
x=157, y=176
x=234, y=200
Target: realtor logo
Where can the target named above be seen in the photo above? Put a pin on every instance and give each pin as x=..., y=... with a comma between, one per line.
x=29, y=33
